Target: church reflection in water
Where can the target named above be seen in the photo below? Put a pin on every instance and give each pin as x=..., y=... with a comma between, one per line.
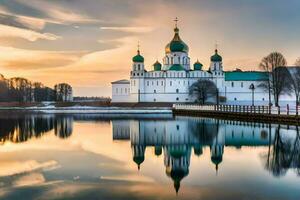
x=177, y=139
x=174, y=139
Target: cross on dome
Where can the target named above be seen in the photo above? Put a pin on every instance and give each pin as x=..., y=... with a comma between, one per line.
x=176, y=20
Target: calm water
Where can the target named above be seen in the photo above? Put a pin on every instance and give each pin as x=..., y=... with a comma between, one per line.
x=146, y=157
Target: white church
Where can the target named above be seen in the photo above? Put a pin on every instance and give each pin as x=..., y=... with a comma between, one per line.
x=170, y=81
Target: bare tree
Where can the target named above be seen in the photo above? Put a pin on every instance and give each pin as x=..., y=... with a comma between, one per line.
x=277, y=82
x=203, y=90
x=294, y=74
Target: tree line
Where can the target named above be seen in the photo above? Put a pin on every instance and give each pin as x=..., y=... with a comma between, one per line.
x=20, y=89
x=280, y=80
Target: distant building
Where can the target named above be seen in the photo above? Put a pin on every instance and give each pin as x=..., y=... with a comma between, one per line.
x=63, y=92
x=170, y=81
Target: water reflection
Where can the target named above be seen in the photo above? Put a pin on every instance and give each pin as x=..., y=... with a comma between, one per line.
x=175, y=140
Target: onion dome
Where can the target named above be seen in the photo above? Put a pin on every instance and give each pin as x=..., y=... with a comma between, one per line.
x=158, y=150
x=138, y=160
x=216, y=57
x=177, y=175
x=157, y=66
x=176, y=45
x=138, y=57
x=216, y=160
x=198, y=65
x=176, y=67
x=198, y=150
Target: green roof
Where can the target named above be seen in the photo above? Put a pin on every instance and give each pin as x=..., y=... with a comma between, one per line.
x=138, y=57
x=216, y=57
x=198, y=66
x=246, y=76
x=157, y=66
x=176, y=45
x=176, y=67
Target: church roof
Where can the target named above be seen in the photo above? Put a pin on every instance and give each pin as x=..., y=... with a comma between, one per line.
x=246, y=76
x=123, y=81
x=176, y=44
x=216, y=57
x=176, y=67
x=138, y=57
x=157, y=66
x=198, y=65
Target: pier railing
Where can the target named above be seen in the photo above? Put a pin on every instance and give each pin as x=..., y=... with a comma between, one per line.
x=280, y=110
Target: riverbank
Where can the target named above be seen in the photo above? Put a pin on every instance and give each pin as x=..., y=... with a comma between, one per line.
x=88, y=108
x=260, y=114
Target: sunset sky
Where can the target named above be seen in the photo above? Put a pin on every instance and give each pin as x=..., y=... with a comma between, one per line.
x=89, y=43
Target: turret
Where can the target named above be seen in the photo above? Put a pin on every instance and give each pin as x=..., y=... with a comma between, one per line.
x=216, y=62
x=176, y=53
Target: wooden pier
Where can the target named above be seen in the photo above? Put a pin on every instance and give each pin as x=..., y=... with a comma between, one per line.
x=263, y=114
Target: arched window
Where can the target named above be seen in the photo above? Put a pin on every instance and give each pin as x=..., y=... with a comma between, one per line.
x=154, y=91
x=232, y=84
x=138, y=68
x=167, y=60
x=171, y=60
x=179, y=60
x=177, y=90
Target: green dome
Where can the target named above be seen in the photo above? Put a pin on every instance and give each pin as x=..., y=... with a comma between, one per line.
x=216, y=159
x=216, y=57
x=176, y=45
x=138, y=57
x=138, y=160
x=157, y=66
x=176, y=67
x=198, y=66
x=158, y=150
x=177, y=175
x=178, y=153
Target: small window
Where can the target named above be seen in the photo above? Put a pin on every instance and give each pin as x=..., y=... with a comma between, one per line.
x=138, y=74
x=162, y=83
x=177, y=127
x=242, y=85
x=154, y=100
x=157, y=83
x=147, y=83
x=141, y=74
x=116, y=90
x=263, y=99
x=235, y=98
x=232, y=84
x=177, y=90
x=154, y=91
x=170, y=83
x=177, y=99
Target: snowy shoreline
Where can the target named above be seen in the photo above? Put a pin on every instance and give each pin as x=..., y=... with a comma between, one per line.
x=91, y=110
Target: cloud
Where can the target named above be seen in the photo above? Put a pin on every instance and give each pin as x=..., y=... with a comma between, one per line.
x=57, y=13
x=29, y=179
x=128, y=29
x=15, y=168
x=11, y=32
x=22, y=59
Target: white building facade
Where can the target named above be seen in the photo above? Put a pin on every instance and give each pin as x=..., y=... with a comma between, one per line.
x=171, y=80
